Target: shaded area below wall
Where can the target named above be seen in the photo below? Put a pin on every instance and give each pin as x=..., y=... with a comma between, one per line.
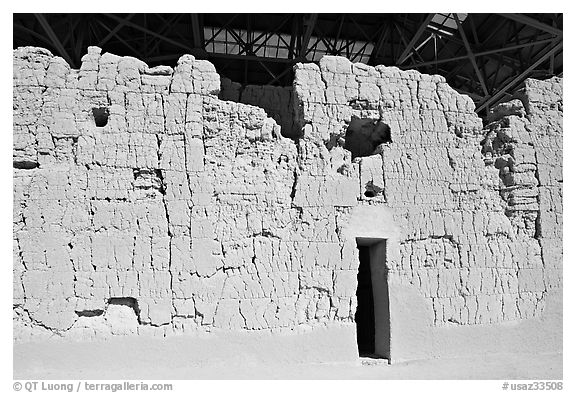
x=412, y=338
x=150, y=358
x=215, y=349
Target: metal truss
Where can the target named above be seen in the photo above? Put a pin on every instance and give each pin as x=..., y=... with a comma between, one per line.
x=483, y=55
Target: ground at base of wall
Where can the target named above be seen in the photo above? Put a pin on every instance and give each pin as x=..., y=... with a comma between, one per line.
x=168, y=359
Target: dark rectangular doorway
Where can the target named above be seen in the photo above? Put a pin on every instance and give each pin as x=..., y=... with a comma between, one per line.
x=365, y=305
x=372, y=311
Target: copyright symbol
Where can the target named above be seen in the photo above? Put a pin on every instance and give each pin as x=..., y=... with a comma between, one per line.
x=17, y=386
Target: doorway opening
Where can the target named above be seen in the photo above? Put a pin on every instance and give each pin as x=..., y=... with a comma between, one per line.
x=372, y=311
x=365, y=305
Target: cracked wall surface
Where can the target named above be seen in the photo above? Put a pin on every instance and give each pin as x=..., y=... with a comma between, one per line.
x=146, y=205
x=181, y=201
x=480, y=225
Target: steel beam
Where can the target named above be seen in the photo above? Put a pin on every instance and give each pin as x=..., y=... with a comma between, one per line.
x=342, y=17
x=360, y=51
x=379, y=44
x=71, y=29
x=221, y=28
x=460, y=43
x=534, y=23
x=152, y=33
x=311, y=23
x=495, y=29
x=406, y=43
x=33, y=34
x=288, y=69
x=474, y=96
x=268, y=35
x=495, y=74
x=54, y=38
x=519, y=78
x=197, y=31
x=404, y=56
x=115, y=30
x=484, y=53
x=471, y=55
x=123, y=41
x=293, y=34
x=79, y=41
x=166, y=28
x=251, y=58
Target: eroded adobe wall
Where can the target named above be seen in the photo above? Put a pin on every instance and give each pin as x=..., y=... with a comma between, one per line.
x=187, y=213
x=524, y=143
x=277, y=101
x=176, y=215
x=478, y=242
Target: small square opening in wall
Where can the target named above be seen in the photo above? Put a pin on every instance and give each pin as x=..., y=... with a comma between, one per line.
x=100, y=116
x=363, y=136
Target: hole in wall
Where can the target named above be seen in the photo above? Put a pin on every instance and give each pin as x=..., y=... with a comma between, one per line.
x=123, y=315
x=100, y=116
x=89, y=313
x=363, y=136
x=372, y=190
x=149, y=182
x=24, y=164
x=127, y=302
x=369, y=194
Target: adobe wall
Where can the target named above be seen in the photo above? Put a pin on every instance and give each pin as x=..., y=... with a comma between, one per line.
x=181, y=208
x=475, y=261
x=196, y=215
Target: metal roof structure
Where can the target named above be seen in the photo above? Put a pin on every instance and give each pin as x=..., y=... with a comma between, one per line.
x=485, y=56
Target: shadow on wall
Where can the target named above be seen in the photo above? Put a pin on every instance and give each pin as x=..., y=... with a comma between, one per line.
x=277, y=102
